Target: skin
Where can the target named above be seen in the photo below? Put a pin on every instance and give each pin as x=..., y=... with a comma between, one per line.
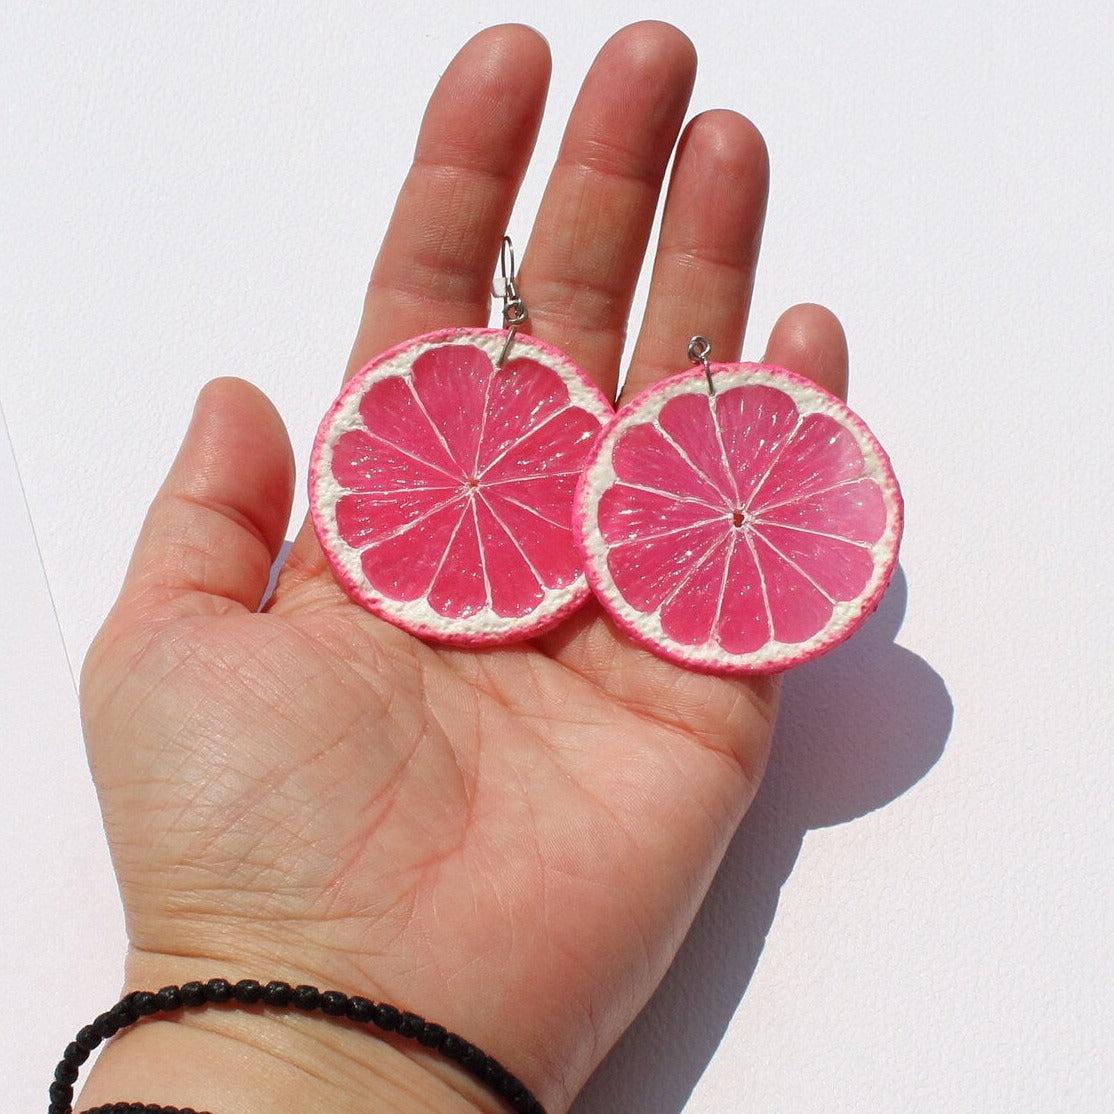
x=511, y=842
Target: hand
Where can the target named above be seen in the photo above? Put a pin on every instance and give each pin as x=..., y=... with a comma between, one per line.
x=511, y=842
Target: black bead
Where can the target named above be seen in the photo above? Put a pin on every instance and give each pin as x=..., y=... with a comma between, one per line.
x=66, y=1073
x=124, y=1013
x=76, y=1054
x=106, y=1026
x=88, y=1037
x=145, y=1003
x=470, y=1056
x=492, y=1072
x=360, y=1009
x=277, y=993
x=431, y=1035
x=451, y=1047
x=386, y=1017
x=193, y=994
x=306, y=997
x=334, y=1003
x=170, y=999
x=61, y=1092
x=218, y=990
x=247, y=992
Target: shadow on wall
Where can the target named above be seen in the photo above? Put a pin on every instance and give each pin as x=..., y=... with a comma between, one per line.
x=857, y=729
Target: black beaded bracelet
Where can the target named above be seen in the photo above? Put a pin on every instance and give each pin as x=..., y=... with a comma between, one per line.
x=279, y=995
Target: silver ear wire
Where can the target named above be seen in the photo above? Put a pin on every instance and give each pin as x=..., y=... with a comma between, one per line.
x=700, y=348
x=514, y=308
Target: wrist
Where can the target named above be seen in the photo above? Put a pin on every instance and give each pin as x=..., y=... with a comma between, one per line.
x=235, y=1058
x=219, y=1064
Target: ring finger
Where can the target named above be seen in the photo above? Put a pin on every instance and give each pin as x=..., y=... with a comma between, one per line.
x=708, y=249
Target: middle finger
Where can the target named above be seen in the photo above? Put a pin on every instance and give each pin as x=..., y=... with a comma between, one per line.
x=585, y=253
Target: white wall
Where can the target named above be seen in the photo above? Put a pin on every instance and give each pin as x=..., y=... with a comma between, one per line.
x=917, y=914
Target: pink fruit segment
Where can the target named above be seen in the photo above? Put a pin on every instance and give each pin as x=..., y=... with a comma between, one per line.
x=647, y=458
x=798, y=607
x=817, y=455
x=689, y=614
x=741, y=530
x=517, y=589
x=691, y=426
x=649, y=572
x=743, y=620
x=521, y=400
x=544, y=542
x=403, y=563
x=854, y=509
x=755, y=424
x=441, y=487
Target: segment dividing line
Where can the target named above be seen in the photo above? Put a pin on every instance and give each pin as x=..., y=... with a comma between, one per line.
x=673, y=532
x=762, y=584
x=727, y=470
x=755, y=523
x=566, y=526
x=420, y=489
x=432, y=425
x=514, y=541
x=535, y=476
x=408, y=454
x=526, y=436
x=400, y=530
x=483, y=421
x=773, y=463
x=722, y=508
x=444, y=557
x=793, y=565
x=483, y=555
x=668, y=598
x=800, y=497
x=698, y=472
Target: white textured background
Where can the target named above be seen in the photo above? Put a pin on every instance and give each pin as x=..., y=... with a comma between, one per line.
x=917, y=915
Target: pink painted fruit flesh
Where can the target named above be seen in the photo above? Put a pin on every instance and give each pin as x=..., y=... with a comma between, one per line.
x=441, y=487
x=743, y=531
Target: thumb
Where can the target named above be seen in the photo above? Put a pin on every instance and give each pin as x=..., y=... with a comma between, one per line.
x=217, y=522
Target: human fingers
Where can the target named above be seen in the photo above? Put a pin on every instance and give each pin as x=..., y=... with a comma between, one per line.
x=809, y=340
x=583, y=259
x=435, y=265
x=218, y=520
x=708, y=248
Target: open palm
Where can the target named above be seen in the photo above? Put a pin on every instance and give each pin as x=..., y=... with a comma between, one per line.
x=511, y=841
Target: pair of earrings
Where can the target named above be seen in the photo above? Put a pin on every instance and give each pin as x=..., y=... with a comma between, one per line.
x=473, y=486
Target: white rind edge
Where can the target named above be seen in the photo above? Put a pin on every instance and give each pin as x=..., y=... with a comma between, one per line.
x=645, y=628
x=485, y=627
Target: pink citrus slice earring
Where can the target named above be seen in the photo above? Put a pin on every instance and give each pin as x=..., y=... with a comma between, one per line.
x=441, y=481
x=736, y=518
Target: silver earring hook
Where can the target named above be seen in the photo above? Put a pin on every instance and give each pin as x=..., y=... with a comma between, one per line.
x=514, y=308
x=700, y=348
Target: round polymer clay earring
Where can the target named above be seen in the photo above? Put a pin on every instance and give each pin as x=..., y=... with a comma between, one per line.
x=736, y=518
x=441, y=481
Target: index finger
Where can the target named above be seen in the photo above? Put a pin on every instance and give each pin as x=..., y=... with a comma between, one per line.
x=435, y=265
